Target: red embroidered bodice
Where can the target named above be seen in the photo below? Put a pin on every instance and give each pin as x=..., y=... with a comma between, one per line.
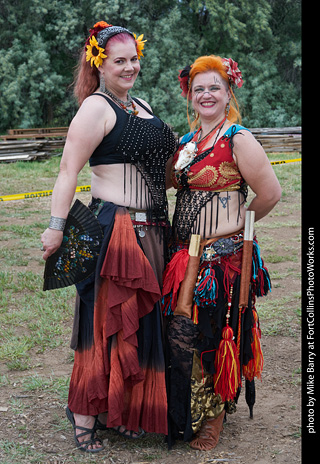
x=210, y=173
x=213, y=169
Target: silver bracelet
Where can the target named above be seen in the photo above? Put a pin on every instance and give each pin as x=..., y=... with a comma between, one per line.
x=57, y=223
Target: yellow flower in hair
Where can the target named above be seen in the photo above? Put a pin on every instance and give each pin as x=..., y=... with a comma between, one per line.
x=94, y=53
x=140, y=44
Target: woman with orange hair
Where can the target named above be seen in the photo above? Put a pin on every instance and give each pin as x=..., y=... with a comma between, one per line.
x=213, y=338
x=118, y=378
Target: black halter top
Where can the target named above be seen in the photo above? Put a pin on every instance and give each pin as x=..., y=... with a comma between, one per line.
x=146, y=144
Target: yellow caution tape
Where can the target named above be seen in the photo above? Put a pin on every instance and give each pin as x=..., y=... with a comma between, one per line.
x=285, y=161
x=42, y=193
x=87, y=188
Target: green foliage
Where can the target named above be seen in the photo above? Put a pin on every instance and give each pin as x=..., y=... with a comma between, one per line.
x=41, y=40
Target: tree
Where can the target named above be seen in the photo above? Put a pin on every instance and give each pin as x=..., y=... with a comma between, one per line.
x=40, y=51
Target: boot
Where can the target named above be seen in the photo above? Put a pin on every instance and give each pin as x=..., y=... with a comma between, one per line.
x=208, y=436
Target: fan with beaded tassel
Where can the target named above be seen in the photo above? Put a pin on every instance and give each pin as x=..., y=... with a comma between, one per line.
x=76, y=258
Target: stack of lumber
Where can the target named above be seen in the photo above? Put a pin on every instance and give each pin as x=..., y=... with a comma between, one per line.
x=35, y=133
x=28, y=150
x=31, y=144
x=279, y=140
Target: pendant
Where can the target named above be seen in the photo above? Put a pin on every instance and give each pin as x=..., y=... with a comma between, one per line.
x=142, y=233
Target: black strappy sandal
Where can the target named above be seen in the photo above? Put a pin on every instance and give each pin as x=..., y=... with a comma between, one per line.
x=99, y=425
x=84, y=445
x=130, y=434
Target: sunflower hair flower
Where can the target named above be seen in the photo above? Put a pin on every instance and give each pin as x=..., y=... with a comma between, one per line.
x=94, y=53
x=140, y=44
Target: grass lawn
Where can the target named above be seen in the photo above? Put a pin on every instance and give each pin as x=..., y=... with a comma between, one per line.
x=35, y=326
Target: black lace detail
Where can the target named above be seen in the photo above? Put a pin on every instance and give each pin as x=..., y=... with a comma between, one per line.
x=182, y=338
x=189, y=204
x=186, y=218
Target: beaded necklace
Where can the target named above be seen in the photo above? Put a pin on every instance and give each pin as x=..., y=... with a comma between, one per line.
x=123, y=104
x=215, y=129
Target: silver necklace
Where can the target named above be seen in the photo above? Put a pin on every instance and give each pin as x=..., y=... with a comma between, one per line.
x=117, y=100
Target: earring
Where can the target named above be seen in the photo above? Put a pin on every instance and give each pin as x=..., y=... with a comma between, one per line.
x=227, y=109
x=102, y=87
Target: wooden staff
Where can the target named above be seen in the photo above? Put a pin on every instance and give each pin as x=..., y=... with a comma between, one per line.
x=246, y=267
x=246, y=270
x=185, y=298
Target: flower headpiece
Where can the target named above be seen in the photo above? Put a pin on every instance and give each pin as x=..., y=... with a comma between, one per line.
x=140, y=44
x=184, y=80
x=234, y=74
x=98, y=38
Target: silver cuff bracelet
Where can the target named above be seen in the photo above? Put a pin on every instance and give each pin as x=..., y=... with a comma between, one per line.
x=57, y=223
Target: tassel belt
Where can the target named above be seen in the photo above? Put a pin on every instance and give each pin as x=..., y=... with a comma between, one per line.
x=223, y=246
x=217, y=247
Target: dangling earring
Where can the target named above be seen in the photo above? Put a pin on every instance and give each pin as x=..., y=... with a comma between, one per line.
x=227, y=109
x=102, y=87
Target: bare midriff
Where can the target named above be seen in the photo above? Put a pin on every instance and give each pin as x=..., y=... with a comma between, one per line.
x=120, y=184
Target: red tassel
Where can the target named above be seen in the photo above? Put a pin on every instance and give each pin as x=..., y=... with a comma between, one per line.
x=227, y=366
x=255, y=366
x=172, y=277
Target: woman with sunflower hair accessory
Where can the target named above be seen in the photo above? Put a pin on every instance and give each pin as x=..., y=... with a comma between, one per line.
x=213, y=328
x=118, y=378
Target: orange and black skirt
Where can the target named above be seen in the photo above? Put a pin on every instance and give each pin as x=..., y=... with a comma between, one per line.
x=117, y=337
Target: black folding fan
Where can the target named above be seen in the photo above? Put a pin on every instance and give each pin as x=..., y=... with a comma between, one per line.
x=76, y=258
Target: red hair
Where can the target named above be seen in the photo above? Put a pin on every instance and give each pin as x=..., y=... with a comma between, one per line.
x=213, y=63
x=87, y=78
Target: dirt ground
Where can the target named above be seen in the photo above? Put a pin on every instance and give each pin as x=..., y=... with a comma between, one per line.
x=272, y=436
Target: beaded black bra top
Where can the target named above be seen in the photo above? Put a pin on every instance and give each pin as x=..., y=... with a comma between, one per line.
x=146, y=144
